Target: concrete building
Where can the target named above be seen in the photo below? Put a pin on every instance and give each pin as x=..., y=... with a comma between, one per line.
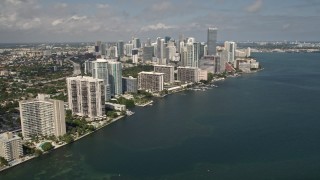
x=231, y=49
x=188, y=74
x=128, y=49
x=100, y=71
x=212, y=41
x=10, y=146
x=129, y=84
x=135, y=56
x=115, y=77
x=120, y=48
x=118, y=107
x=161, y=52
x=42, y=116
x=168, y=72
x=86, y=96
x=136, y=43
x=150, y=81
x=148, y=52
x=203, y=75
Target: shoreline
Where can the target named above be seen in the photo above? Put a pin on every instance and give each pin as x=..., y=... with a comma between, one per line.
x=27, y=158
x=105, y=124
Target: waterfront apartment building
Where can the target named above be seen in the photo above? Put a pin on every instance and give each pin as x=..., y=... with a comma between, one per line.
x=168, y=72
x=86, y=96
x=188, y=74
x=115, y=77
x=129, y=84
x=212, y=41
x=100, y=71
x=42, y=116
x=150, y=81
x=10, y=146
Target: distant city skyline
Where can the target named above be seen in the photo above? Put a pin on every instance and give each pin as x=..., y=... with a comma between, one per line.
x=87, y=21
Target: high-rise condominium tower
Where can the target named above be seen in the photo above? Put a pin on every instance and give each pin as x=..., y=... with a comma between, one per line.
x=42, y=116
x=86, y=96
x=100, y=71
x=115, y=77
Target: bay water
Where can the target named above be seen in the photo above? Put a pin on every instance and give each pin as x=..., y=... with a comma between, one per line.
x=264, y=125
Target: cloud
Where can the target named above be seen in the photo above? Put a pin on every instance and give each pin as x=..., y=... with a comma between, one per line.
x=156, y=27
x=102, y=6
x=61, y=5
x=255, y=7
x=161, y=7
x=57, y=22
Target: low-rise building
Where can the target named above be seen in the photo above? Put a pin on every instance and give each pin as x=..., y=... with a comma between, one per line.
x=118, y=107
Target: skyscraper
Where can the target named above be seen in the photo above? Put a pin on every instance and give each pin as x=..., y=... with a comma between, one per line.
x=231, y=48
x=161, y=51
x=86, y=96
x=212, y=41
x=115, y=77
x=100, y=71
x=42, y=116
x=120, y=48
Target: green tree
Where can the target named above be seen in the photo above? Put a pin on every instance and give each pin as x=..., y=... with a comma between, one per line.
x=38, y=152
x=3, y=161
x=46, y=146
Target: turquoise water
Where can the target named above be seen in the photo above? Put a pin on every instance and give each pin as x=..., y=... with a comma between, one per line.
x=257, y=126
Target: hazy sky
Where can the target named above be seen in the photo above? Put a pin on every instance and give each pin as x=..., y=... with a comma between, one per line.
x=91, y=20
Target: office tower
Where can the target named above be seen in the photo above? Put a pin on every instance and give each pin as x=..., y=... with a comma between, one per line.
x=103, y=49
x=135, y=56
x=112, y=52
x=147, y=53
x=150, y=81
x=148, y=42
x=248, y=52
x=190, y=53
x=201, y=52
x=115, y=77
x=42, y=116
x=97, y=46
x=100, y=71
x=120, y=48
x=136, y=43
x=160, y=51
x=167, y=39
x=170, y=51
x=187, y=74
x=86, y=96
x=88, y=67
x=129, y=84
x=223, y=54
x=128, y=49
x=10, y=146
x=181, y=37
x=168, y=72
x=212, y=41
x=231, y=48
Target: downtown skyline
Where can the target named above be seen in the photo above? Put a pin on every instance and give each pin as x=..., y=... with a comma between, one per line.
x=85, y=21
